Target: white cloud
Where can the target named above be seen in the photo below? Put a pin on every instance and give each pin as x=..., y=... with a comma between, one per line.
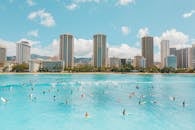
x=83, y=48
x=123, y=51
x=30, y=2
x=31, y=42
x=43, y=17
x=125, y=30
x=72, y=6
x=75, y=3
x=177, y=39
x=125, y=2
x=33, y=33
x=52, y=49
x=36, y=48
x=84, y=1
x=10, y=46
x=189, y=14
x=143, y=32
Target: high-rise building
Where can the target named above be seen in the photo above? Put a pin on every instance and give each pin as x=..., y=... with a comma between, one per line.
x=2, y=56
x=67, y=50
x=184, y=58
x=171, y=61
x=22, y=52
x=193, y=56
x=99, y=50
x=147, y=50
x=172, y=51
x=164, y=51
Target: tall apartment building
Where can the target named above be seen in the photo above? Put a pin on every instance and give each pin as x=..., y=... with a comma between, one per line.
x=193, y=56
x=164, y=51
x=66, y=50
x=147, y=50
x=2, y=56
x=184, y=58
x=22, y=52
x=99, y=50
x=172, y=51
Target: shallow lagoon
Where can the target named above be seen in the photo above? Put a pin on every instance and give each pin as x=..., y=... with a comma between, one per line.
x=60, y=101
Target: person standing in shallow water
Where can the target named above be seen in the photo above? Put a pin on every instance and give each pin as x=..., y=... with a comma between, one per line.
x=124, y=112
x=183, y=103
x=86, y=115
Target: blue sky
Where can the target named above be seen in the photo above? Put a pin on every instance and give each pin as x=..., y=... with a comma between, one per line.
x=123, y=21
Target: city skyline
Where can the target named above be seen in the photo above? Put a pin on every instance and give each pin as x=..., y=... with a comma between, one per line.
x=124, y=23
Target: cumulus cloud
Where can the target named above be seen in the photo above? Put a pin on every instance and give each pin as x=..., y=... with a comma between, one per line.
x=52, y=49
x=33, y=33
x=75, y=3
x=43, y=17
x=83, y=47
x=123, y=51
x=72, y=6
x=84, y=1
x=125, y=30
x=10, y=46
x=189, y=14
x=30, y=2
x=125, y=2
x=177, y=39
x=143, y=32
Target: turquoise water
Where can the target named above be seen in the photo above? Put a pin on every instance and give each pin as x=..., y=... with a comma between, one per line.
x=59, y=102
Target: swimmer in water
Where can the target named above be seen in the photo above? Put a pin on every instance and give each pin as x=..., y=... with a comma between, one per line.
x=66, y=101
x=173, y=98
x=137, y=87
x=124, y=112
x=86, y=115
x=139, y=102
x=183, y=103
x=43, y=92
x=5, y=100
x=31, y=96
x=54, y=98
x=82, y=95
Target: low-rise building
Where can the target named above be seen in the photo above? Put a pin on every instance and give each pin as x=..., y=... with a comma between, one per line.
x=171, y=61
x=114, y=62
x=34, y=65
x=52, y=66
x=139, y=61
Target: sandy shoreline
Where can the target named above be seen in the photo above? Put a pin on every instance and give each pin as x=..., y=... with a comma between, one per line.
x=93, y=73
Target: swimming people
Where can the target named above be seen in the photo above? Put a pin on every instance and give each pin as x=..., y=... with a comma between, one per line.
x=5, y=100
x=54, y=98
x=183, y=103
x=137, y=87
x=124, y=112
x=86, y=115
